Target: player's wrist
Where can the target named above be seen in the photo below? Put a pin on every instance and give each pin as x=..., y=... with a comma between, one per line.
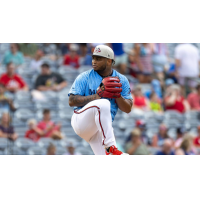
x=97, y=96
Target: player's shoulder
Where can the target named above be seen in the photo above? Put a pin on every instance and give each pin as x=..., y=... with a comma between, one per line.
x=121, y=76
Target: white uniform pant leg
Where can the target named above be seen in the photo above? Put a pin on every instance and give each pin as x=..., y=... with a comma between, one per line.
x=93, y=123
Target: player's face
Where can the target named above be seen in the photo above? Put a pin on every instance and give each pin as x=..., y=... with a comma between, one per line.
x=99, y=63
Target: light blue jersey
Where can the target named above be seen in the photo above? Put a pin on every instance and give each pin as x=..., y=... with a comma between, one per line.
x=87, y=83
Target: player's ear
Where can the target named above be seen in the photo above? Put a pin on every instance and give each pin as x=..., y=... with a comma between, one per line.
x=109, y=61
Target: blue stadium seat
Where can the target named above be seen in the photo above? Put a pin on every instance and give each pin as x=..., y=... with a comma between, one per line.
x=46, y=105
x=36, y=151
x=21, y=131
x=27, y=104
x=60, y=150
x=45, y=142
x=66, y=114
x=24, y=143
x=84, y=151
x=14, y=151
x=2, y=152
x=24, y=114
x=3, y=143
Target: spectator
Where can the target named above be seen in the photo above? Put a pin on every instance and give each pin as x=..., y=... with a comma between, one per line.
x=168, y=82
x=6, y=130
x=140, y=102
x=132, y=63
x=28, y=49
x=175, y=101
x=49, y=128
x=84, y=59
x=187, y=145
x=187, y=64
x=51, y=51
x=197, y=139
x=34, y=133
x=135, y=146
x=159, y=59
x=6, y=104
x=12, y=81
x=121, y=58
x=159, y=138
x=64, y=47
x=194, y=99
x=72, y=58
x=166, y=148
x=179, y=137
x=48, y=80
x=71, y=149
x=14, y=56
x=144, y=53
x=51, y=150
x=179, y=152
x=155, y=103
x=36, y=63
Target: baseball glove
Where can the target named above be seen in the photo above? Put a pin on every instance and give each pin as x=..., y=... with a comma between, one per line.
x=110, y=87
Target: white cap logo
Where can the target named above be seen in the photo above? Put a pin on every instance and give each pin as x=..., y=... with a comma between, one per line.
x=97, y=50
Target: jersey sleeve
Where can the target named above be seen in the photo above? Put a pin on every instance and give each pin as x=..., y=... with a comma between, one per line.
x=79, y=85
x=126, y=90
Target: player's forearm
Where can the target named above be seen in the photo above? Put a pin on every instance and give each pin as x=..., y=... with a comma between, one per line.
x=77, y=100
x=124, y=105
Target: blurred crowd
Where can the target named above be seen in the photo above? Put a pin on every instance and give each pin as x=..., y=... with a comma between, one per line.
x=164, y=81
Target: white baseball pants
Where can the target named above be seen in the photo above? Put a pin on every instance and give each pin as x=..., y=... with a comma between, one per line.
x=93, y=123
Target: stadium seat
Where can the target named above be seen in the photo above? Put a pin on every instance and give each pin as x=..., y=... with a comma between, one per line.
x=45, y=142
x=68, y=131
x=14, y=151
x=21, y=131
x=24, y=143
x=84, y=68
x=2, y=152
x=24, y=114
x=50, y=95
x=18, y=123
x=172, y=133
x=124, y=124
x=66, y=141
x=194, y=132
x=3, y=143
x=151, y=132
x=84, y=151
x=66, y=114
x=63, y=104
x=46, y=105
x=36, y=151
x=60, y=150
x=27, y=104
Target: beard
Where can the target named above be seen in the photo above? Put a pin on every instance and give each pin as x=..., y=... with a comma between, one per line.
x=102, y=69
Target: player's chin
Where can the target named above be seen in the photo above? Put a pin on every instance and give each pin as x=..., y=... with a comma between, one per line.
x=95, y=68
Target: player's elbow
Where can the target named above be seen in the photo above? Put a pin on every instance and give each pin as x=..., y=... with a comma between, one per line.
x=128, y=111
x=71, y=103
